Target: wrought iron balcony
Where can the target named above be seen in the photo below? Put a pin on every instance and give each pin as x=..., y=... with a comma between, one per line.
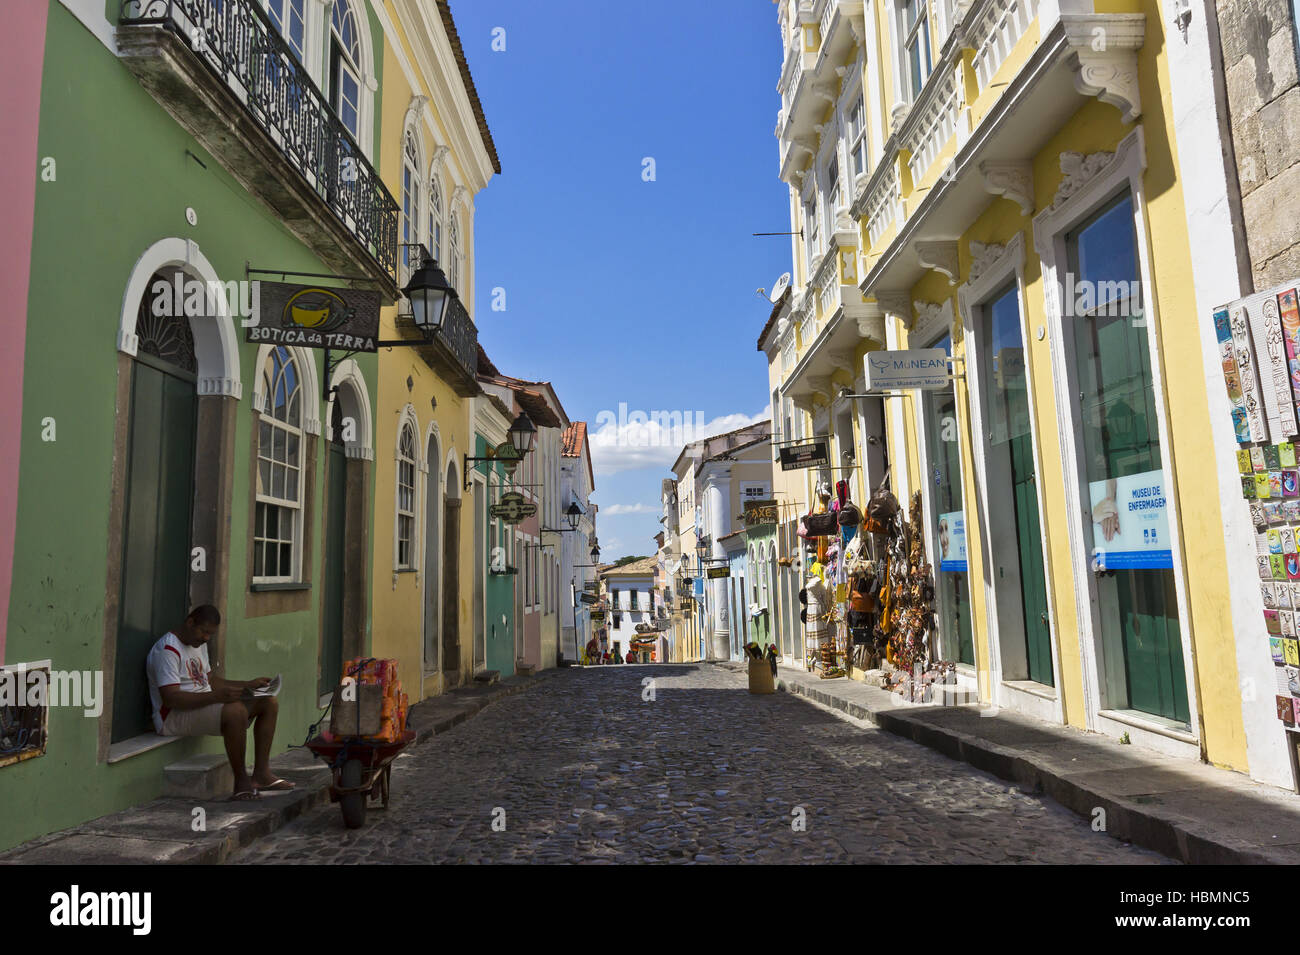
x=225, y=74
x=452, y=350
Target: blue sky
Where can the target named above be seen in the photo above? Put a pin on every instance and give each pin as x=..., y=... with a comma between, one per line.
x=622, y=291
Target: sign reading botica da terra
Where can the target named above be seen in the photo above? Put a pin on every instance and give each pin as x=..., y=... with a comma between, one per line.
x=312, y=316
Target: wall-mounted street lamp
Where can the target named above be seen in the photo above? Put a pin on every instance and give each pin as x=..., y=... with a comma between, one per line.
x=519, y=441
x=430, y=293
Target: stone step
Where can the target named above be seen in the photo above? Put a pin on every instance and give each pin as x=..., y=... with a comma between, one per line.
x=525, y=669
x=487, y=677
x=204, y=776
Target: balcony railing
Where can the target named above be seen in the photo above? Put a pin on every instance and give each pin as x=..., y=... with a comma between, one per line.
x=932, y=122
x=995, y=31
x=236, y=41
x=883, y=202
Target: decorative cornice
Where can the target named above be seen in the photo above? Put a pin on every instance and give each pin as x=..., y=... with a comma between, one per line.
x=418, y=102
x=898, y=115
x=824, y=91
x=982, y=256
x=226, y=387
x=1104, y=53
x=1077, y=170
x=840, y=362
x=1013, y=179
x=440, y=154
x=940, y=255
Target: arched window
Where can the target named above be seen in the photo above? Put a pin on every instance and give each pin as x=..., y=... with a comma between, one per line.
x=277, y=528
x=289, y=17
x=345, y=66
x=435, y=219
x=453, y=254
x=410, y=200
x=406, y=499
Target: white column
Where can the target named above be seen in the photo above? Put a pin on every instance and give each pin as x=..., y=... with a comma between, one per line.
x=717, y=498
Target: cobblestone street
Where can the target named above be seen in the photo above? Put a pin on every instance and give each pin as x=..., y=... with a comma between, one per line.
x=586, y=770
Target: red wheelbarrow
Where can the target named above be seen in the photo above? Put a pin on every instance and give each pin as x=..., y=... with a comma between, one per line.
x=361, y=768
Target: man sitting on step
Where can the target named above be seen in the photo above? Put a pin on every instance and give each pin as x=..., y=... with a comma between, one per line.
x=189, y=701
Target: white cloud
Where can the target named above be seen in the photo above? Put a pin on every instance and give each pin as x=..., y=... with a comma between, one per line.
x=624, y=440
x=614, y=509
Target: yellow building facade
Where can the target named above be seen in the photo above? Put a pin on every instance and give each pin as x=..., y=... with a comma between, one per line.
x=1007, y=180
x=439, y=155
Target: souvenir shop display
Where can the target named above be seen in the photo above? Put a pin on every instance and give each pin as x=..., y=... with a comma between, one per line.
x=1259, y=347
x=869, y=595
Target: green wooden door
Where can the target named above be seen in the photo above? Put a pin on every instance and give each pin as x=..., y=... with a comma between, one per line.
x=156, y=531
x=331, y=665
x=1029, y=541
x=1137, y=604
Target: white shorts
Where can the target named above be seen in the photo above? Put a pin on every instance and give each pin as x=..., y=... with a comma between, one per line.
x=204, y=721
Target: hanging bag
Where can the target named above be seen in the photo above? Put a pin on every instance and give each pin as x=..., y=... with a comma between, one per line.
x=820, y=525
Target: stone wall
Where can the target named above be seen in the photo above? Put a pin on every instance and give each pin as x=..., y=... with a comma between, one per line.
x=1259, y=59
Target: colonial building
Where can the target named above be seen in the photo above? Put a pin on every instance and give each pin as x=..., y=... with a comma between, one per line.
x=1025, y=185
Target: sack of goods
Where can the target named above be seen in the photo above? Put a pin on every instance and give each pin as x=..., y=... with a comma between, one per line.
x=379, y=713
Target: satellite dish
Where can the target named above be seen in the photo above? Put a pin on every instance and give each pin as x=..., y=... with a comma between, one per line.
x=779, y=288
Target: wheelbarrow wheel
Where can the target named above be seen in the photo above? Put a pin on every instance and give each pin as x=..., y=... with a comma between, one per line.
x=353, y=804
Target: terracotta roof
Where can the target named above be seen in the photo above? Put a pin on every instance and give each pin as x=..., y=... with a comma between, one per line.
x=574, y=435
x=537, y=407
x=444, y=8
x=485, y=366
x=771, y=319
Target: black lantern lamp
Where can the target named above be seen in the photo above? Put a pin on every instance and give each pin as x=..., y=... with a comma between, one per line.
x=574, y=514
x=430, y=294
x=523, y=434
x=702, y=551
x=595, y=554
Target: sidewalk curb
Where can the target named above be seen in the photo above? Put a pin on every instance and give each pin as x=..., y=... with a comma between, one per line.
x=1128, y=819
x=111, y=839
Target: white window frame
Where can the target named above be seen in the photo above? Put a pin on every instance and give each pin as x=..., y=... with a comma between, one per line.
x=435, y=216
x=412, y=208
x=918, y=33
x=358, y=65
x=279, y=10
x=454, y=254
x=975, y=298
x=1124, y=172
x=412, y=536
x=295, y=505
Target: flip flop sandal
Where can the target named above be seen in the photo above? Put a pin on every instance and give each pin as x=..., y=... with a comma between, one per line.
x=246, y=795
x=280, y=785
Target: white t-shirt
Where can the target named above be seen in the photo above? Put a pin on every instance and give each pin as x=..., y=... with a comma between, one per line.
x=173, y=663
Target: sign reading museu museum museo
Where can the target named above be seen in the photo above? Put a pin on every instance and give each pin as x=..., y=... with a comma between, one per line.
x=312, y=316
x=924, y=368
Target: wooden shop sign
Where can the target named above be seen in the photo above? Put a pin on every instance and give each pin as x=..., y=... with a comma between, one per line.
x=715, y=573
x=512, y=508
x=314, y=316
x=759, y=512
x=798, y=456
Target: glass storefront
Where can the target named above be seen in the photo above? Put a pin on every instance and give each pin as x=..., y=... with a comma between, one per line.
x=1141, y=649
x=947, y=520
x=1010, y=449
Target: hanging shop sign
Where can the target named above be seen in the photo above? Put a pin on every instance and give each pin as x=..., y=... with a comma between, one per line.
x=811, y=455
x=512, y=508
x=952, y=542
x=924, y=368
x=313, y=316
x=597, y=616
x=717, y=573
x=588, y=598
x=759, y=512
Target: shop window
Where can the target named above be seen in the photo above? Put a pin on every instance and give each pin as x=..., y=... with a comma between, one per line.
x=1137, y=608
x=406, y=499
x=947, y=519
x=277, y=527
